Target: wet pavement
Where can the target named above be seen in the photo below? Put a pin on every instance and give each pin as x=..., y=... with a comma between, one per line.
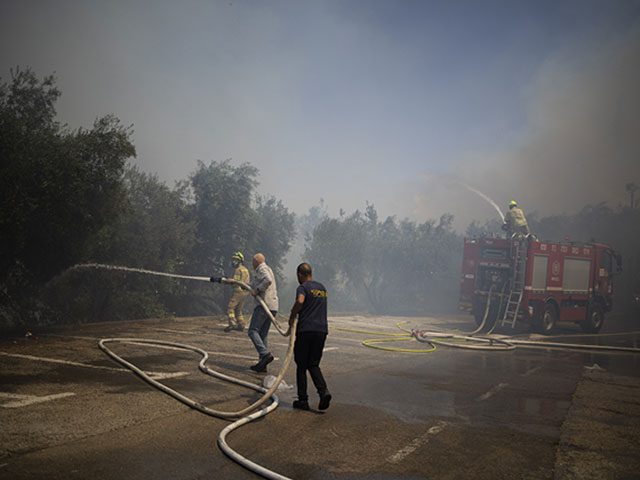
x=68, y=411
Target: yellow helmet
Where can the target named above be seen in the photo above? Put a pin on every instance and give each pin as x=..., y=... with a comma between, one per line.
x=513, y=203
x=238, y=256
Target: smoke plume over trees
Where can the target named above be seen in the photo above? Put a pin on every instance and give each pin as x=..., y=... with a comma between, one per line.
x=69, y=197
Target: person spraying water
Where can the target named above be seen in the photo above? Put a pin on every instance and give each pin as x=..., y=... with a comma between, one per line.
x=515, y=221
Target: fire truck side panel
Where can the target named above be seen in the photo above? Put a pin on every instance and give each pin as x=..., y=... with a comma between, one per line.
x=575, y=275
x=468, y=280
x=556, y=278
x=540, y=273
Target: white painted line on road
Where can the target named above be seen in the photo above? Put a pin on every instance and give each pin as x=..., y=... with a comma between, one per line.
x=416, y=443
x=86, y=365
x=532, y=370
x=55, y=360
x=161, y=376
x=492, y=392
x=32, y=399
x=328, y=349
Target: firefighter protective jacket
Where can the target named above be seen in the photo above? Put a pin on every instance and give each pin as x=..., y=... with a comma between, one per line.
x=241, y=274
x=516, y=221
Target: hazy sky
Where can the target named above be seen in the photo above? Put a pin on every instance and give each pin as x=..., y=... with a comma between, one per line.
x=391, y=102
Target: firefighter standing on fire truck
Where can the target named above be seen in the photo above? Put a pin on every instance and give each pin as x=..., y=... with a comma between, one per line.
x=514, y=221
x=236, y=302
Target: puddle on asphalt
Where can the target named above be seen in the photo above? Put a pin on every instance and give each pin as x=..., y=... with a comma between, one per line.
x=406, y=400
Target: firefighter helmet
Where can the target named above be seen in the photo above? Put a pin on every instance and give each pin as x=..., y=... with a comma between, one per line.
x=513, y=203
x=238, y=256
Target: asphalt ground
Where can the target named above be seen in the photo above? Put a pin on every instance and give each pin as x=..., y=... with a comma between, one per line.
x=68, y=411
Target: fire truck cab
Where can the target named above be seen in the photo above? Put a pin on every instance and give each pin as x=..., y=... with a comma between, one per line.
x=541, y=283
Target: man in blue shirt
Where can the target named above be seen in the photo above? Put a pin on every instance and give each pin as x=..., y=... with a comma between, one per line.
x=311, y=308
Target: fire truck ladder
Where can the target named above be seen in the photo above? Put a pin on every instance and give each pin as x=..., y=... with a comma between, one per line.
x=517, y=282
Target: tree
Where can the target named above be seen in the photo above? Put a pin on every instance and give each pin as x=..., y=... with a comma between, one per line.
x=225, y=219
x=229, y=216
x=153, y=232
x=59, y=187
x=275, y=231
x=388, y=266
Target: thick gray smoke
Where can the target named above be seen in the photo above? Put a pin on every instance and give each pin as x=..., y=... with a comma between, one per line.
x=581, y=144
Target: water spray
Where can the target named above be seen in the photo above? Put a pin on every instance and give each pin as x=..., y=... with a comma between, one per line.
x=483, y=196
x=231, y=281
x=449, y=179
x=139, y=270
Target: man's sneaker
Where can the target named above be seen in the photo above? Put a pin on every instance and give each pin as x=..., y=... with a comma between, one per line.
x=324, y=402
x=240, y=329
x=228, y=329
x=301, y=404
x=267, y=359
x=258, y=367
x=261, y=366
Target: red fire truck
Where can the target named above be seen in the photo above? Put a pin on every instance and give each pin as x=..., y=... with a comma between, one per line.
x=537, y=282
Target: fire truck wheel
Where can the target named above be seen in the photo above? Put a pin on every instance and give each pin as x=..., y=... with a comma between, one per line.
x=594, y=320
x=548, y=319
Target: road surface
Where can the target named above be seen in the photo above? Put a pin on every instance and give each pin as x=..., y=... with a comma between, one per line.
x=68, y=411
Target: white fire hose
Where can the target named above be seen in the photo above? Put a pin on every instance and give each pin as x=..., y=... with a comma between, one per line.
x=244, y=415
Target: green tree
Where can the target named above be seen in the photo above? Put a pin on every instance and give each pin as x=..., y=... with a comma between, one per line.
x=275, y=231
x=230, y=216
x=387, y=266
x=225, y=219
x=59, y=187
x=153, y=232
x=304, y=226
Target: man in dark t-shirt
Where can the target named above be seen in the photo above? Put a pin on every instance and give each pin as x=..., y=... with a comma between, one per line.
x=311, y=308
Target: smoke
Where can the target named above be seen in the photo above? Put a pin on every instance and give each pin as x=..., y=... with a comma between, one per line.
x=581, y=144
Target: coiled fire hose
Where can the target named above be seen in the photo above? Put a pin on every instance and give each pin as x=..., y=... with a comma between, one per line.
x=434, y=338
x=244, y=415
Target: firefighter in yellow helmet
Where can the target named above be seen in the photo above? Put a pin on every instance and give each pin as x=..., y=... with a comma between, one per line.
x=514, y=221
x=236, y=302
